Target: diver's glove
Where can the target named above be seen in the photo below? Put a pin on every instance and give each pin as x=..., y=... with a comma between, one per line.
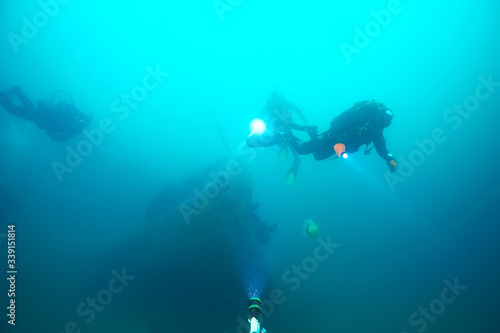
x=312, y=131
x=391, y=162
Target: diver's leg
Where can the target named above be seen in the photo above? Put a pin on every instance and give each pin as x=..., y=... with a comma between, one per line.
x=7, y=103
x=25, y=101
x=283, y=146
x=303, y=148
x=319, y=147
x=26, y=110
x=323, y=149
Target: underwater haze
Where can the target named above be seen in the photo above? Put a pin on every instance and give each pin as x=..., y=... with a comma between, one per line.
x=172, y=87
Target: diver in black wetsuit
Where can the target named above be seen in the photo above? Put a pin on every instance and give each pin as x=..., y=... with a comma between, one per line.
x=362, y=124
x=60, y=121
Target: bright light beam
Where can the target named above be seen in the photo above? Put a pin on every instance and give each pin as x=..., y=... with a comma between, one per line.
x=257, y=126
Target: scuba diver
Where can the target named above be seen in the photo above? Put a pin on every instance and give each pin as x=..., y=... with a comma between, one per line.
x=362, y=124
x=278, y=110
x=280, y=114
x=60, y=121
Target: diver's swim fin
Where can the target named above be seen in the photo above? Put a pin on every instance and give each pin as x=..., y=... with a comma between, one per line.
x=283, y=151
x=292, y=173
x=290, y=178
x=283, y=154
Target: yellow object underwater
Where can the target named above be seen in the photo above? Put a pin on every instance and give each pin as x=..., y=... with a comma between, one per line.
x=310, y=228
x=290, y=178
x=283, y=154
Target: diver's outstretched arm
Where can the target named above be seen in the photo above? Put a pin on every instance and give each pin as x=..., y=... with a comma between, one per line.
x=302, y=148
x=380, y=146
x=291, y=106
x=379, y=143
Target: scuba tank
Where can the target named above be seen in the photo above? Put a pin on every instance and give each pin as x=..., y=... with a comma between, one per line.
x=81, y=119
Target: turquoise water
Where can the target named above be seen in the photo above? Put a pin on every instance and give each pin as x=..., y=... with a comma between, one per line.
x=196, y=74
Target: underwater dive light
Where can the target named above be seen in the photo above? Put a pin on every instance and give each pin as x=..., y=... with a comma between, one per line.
x=340, y=150
x=254, y=311
x=254, y=307
x=257, y=126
